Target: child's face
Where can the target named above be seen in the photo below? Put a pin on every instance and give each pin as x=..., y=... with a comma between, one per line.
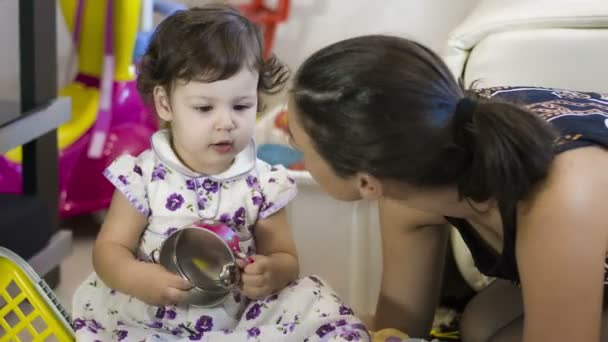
x=211, y=122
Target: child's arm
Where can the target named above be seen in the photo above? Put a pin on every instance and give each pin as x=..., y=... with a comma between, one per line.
x=276, y=263
x=115, y=263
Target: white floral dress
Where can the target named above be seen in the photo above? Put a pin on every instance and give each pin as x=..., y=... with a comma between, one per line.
x=173, y=196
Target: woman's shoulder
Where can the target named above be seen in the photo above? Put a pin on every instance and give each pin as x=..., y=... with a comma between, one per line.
x=577, y=185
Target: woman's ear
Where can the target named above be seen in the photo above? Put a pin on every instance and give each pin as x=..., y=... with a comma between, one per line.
x=370, y=187
x=162, y=104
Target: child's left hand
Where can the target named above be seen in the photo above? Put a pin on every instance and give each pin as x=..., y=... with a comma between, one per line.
x=258, y=278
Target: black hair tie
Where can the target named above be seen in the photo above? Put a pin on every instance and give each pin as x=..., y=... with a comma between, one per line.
x=462, y=118
x=465, y=108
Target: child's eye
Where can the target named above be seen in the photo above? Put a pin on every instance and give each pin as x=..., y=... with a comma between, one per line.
x=239, y=108
x=204, y=109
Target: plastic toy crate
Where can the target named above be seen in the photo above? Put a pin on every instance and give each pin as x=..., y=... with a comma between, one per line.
x=29, y=310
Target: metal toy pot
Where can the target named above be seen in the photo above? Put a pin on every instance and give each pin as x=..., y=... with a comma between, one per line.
x=204, y=254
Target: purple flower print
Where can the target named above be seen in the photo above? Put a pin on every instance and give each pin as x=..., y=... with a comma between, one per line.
x=352, y=335
x=254, y=311
x=190, y=184
x=159, y=172
x=174, y=202
x=160, y=312
x=239, y=217
x=272, y=180
x=273, y=169
x=344, y=310
x=156, y=325
x=196, y=337
x=170, y=231
x=202, y=202
x=289, y=327
x=325, y=329
x=204, y=324
x=258, y=200
x=266, y=206
x=78, y=324
x=341, y=322
x=237, y=297
x=211, y=186
x=171, y=314
x=225, y=218
x=253, y=332
x=176, y=332
x=121, y=334
x=123, y=180
x=112, y=292
x=94, y=326
x=251, y=181
x=137, y=170
x=291, y=180
x=163, y=312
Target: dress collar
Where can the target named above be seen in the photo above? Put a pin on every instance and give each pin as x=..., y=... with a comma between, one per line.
x=243, y=163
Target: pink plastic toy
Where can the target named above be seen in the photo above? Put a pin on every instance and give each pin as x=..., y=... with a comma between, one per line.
x=109, y=118
x=227, y=235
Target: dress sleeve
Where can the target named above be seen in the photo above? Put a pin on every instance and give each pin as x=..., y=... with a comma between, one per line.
x=278, y=188
x=129, y=175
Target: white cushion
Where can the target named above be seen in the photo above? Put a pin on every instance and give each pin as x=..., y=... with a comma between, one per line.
x=575, y=59
x=494, y=17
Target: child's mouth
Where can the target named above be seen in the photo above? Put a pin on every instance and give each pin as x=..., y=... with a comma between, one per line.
x=222, y=147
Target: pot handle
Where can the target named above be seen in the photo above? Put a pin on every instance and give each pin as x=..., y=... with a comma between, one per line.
x=229, y=276
x=155, y=256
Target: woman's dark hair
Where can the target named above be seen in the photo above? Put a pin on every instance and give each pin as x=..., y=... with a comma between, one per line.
x=390, y=107
x=207, y=44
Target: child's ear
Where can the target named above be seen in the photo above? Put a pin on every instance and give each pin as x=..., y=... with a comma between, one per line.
x=370, y=187
x=162, y=104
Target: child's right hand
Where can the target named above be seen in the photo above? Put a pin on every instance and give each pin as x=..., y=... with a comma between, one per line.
x=155, y=285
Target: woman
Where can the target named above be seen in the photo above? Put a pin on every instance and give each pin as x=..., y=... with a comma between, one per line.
x=381, y=117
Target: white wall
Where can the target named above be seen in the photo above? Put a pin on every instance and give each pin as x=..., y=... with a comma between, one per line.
x=317, y=23
x=312, y=25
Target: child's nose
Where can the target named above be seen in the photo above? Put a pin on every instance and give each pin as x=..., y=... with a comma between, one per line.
x=225, y=121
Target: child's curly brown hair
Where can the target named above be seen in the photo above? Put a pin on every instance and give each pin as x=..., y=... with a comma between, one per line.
x=206, y=44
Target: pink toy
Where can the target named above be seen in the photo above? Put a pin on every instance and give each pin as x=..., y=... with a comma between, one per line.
x=227, y=235
x=122, y=123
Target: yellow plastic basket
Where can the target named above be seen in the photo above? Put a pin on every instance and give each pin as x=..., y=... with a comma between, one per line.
x=29, y=310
